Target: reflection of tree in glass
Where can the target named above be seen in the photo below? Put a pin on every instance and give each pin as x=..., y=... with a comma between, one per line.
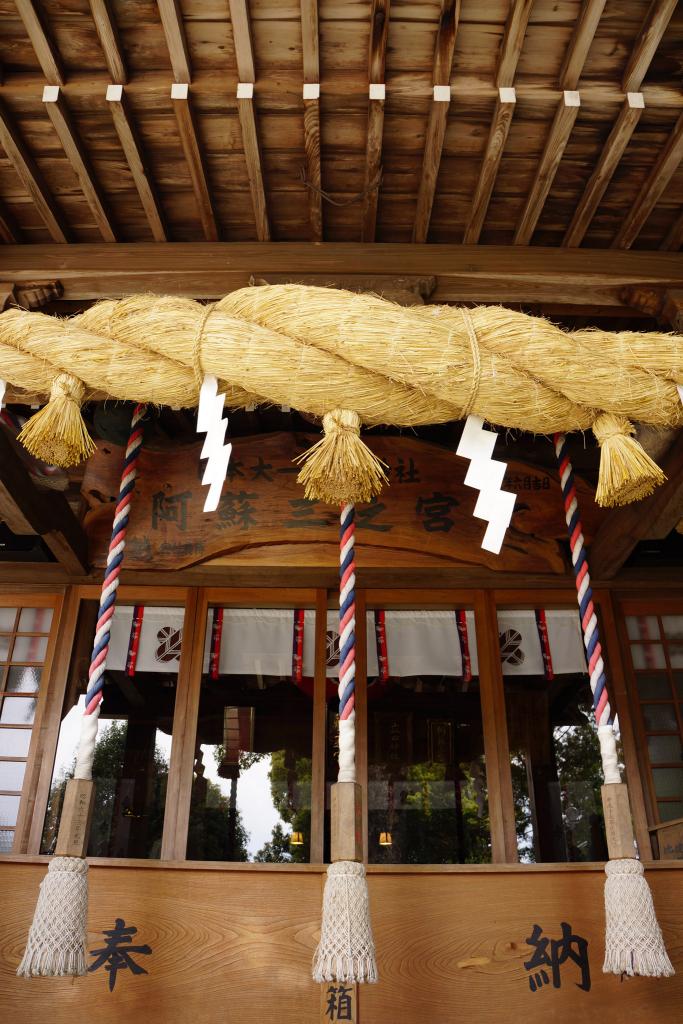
x=577, y=752
x=290, y=781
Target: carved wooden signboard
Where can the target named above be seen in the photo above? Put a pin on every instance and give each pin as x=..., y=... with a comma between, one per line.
x=424, y=515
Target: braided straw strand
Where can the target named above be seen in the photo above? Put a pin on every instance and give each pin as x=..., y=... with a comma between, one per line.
x=347, y=644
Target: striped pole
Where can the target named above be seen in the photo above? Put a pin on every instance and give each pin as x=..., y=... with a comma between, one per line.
x=117, y=544
x=589, y=620
x=347, y=644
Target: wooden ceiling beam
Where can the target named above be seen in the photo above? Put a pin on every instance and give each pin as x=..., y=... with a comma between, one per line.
x=135, y=158
x=30, y=511
x=44, y=48
x=464, y=272
x=659, y=177
x=513, y=41
x=498, y=133
x=674, y=237
x=311, y=98
x=246, y=70
x=558, y=137
x=577, y=51
x=379, y=31
x=625, y=527
x=180, y=98
x=649, y=38
x=611, y=154
x=438, y=116
x=108, y=36
x=31, y=178
x=171, y=16
x=9, y=232
x=78, y=158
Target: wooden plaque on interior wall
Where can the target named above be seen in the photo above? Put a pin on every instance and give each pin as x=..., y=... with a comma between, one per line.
x=424, y=516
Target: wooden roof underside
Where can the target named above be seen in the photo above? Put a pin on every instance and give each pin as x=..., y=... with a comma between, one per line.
x=78, y=167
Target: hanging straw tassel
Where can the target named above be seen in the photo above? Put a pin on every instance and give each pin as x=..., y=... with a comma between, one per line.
x=346, y=951
x=633, y=939
x=57, y=937
x=627, y=473
x=56, y=434
x=340, y=468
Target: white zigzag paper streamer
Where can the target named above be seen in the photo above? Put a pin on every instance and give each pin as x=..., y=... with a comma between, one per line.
x=210, y=421
x=486, y=474
x=3, y=387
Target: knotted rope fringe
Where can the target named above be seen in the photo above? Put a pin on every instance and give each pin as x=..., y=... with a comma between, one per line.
x=633, y=938
x=346, y=951
x=57, y=937
x=340, y=468
x=627, y=473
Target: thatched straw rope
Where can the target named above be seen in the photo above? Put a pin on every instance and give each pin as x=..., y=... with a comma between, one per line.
x=320, y=350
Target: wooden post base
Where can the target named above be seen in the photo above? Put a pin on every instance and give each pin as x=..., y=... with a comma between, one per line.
x=74, y=827
x=618, y=825
x=347, y=822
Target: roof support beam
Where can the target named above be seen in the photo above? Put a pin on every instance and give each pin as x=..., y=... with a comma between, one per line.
x=311, y=97
x=649, y=38
x=561, y=128
x=612, y=152
x=28, y=511
x=9, y=232
x=438, y=116
x=108, y=35
x=577, y=51
x=498, y=133
x=45, y=51
x=135, y=158
x=674, y=238
x=31, y=178
x=180, y=98
x=379, y=31
x=77, y=157
x=657, y=180
x=244, y=53
x=172, y=21
x=513, y=41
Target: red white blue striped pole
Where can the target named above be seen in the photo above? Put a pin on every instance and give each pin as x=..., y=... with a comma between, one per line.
x=347, y=644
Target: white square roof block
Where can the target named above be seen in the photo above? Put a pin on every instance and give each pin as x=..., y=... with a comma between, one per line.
x=114, y=93
x=377, y=92
x=571, y=98
x=179, y=91
x=507, y=94
x=636, y=99
x=50, y=94
x=245, y=90
x=442, y=93
x=311, y=90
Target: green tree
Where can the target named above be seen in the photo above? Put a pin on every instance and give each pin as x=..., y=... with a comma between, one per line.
x=277, y=850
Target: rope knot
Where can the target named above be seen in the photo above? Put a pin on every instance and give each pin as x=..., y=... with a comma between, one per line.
x=57, y=434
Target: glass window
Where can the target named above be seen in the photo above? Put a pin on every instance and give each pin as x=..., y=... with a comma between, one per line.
x=427, y=789
x=133, y=748
x=8, y=617
x=251, y=791
x=653, y=687
x=668, y=782
x=663, y=749
x=35, y=620
x=29, y=648
x=659, y=717
x=554, y=749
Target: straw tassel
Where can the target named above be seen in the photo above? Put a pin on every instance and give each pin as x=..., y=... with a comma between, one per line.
x=56, y=434
x=340, y=468
x=627, y=473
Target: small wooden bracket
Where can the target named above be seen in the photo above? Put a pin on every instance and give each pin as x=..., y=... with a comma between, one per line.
x=74, y=827
x=347, y=821
x=618, y=825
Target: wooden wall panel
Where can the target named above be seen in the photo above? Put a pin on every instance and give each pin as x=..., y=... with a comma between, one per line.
x=236, y=945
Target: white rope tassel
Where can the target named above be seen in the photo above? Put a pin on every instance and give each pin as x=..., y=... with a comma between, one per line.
x=633, y=938
x=608, y=753
x=86, y=745
x=346, y=951
x=55, y=944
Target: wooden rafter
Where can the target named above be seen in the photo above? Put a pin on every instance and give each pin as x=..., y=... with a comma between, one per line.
x=77, y=157
x=44, y=48
x=27, y=511
x=379, y=31
x=513, y=41
x=558, y=137
x=649, y=38
x=135, y=158
x=244, y=53
x=311, y=99
x=438, y=116
x=108, y=35
x=31, y=178
x=498, y=133
x=611, y=154
x=180, y=98
x=463, y=272
x=172, y=21
x=674, y=237
x=9, y=232
x=657, y=180
x=577, y=51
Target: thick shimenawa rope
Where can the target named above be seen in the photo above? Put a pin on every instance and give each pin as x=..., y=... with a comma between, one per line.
x=633, y=938
x=347, y=645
